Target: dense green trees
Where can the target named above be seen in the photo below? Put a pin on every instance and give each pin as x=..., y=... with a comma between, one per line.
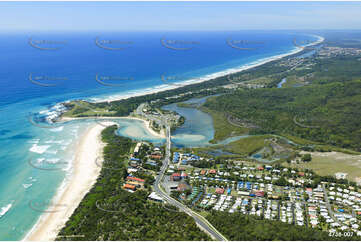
x=328, y=114
x=237, y=226
x=306, y=157
x=108, y=212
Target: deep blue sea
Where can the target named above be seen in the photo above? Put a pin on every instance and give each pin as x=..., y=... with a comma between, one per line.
x=39, y=70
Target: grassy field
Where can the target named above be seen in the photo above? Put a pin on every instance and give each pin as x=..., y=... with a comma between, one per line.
x=261, y=80
x=328, y=163
x=293, y=81
x=222, y=128
x=85, y=109
x=248, y=145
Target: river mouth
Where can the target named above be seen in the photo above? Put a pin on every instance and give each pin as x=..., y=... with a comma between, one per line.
x=196, y=132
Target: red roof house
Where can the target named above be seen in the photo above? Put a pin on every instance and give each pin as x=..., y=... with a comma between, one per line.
x=175, y=177
x=131, y=178
x=219, y=190
x=156, y=156
x=128, y=186
x=183, y=187
x=184, y=175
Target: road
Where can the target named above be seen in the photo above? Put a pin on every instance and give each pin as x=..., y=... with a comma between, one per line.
x=199, y=219
x=328, y=205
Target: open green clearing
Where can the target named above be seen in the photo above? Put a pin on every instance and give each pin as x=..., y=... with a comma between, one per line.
x=328, y=163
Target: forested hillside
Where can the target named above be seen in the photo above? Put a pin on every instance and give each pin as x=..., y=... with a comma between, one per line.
x=324, y=113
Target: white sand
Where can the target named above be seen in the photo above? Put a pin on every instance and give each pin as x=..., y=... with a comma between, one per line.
x=81, y=181
x=167, y=86
x=85, y=169
x=146, y=122
x=147, y=125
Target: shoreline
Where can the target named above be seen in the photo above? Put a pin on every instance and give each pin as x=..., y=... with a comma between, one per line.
x=146, y=123
x=81, y=180
x=49, y=224
x=208, y=77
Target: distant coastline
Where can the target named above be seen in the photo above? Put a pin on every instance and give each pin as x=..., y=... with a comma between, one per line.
x=48, y=225
x=208, y=77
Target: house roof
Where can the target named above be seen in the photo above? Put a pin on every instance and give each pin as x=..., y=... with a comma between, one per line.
x=219, y=190
x=128, y=186
x=183, y=187
x=135, y=179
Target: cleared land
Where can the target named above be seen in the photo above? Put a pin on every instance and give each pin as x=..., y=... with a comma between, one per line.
x=85, y=109
x=222, y=128
x=328, y=163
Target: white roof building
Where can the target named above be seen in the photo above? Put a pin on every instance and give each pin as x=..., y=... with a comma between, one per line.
x=340, y=175
x=154, y=196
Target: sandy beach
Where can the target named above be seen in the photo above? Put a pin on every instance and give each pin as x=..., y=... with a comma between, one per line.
x=167, y=86
x=146, y=123
x=84, y=176
x=90, y=147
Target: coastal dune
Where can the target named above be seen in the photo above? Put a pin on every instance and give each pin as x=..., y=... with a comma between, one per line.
x=84, y=175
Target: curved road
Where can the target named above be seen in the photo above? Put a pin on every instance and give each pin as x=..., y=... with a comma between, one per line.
x=200, y=220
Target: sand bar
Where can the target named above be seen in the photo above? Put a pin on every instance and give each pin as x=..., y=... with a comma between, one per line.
x=146, y=122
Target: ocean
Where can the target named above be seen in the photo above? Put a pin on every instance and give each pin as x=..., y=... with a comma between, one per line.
x=39, y=70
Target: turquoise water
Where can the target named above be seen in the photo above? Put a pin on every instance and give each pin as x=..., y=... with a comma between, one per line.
x=46, y=155
x=35, y=161
x=279, y=85
x=136, y=130
x=197, y=129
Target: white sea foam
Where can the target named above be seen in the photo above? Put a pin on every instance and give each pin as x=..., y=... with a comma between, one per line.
x=165, y=87
x=58, y=129
x=52, y=160
x=32, y=179
x=54, y=142
x=69, y=167
x=57, y=109
x=40, y=160
x=53, y=152
x=53, y=113
x=40, y=149
x=5, y=209
x=33, y=141
x=26, y=186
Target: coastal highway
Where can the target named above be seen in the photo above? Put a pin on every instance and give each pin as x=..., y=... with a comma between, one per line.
x=200, y=220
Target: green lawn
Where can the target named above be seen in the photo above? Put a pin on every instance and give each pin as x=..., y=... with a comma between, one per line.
x=328, y=163
x=223, y=129
x=247, y=145
x=293, y=81
x=85, y=109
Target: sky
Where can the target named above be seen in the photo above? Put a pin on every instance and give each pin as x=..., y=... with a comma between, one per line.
x=177, y=16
